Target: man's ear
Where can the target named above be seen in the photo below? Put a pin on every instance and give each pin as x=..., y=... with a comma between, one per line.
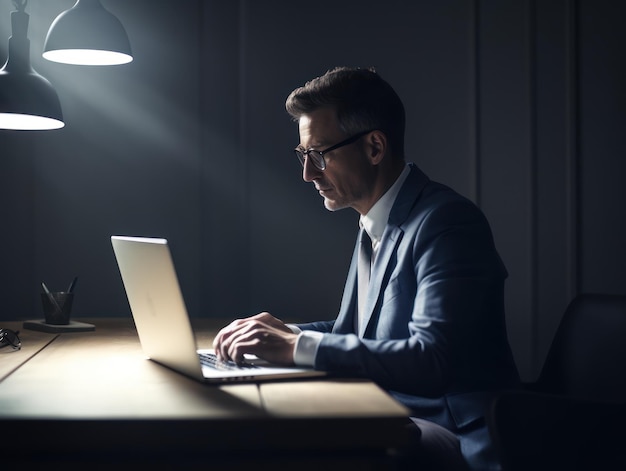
x=377, y=146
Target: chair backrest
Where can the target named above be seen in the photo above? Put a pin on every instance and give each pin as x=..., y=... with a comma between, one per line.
x=587, y=358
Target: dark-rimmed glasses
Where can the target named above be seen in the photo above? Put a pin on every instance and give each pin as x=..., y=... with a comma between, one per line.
x=317, y=156
x=10, y=338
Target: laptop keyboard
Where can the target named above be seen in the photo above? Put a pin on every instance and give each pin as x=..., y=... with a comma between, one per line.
x=211, y=360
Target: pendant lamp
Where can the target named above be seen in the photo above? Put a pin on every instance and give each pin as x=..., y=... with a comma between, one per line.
x=27, y=100
x=87, y=34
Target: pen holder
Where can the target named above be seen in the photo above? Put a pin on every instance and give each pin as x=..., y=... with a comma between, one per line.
x=57, y=307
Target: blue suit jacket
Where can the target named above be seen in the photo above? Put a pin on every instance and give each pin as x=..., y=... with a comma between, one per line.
x=435, y=336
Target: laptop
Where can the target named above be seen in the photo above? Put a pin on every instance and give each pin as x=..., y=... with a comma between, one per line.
x=164, y=326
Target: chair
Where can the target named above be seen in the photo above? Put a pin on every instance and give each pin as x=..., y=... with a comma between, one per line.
x=574, y=416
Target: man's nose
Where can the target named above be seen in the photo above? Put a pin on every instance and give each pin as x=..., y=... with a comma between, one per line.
x=309, y=171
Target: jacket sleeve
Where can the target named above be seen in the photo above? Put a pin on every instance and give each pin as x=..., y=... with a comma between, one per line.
x=320, y=326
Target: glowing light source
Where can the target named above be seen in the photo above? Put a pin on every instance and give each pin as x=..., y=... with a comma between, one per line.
x=28, y=101
x=87, y=34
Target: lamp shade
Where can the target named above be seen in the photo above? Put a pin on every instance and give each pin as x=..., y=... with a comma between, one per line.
x=87, y=34
x=27, y=100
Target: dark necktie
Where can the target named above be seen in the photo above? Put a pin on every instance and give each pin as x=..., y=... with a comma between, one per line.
x=363, y=274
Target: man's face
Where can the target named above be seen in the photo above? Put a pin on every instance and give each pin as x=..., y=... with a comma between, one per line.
x=347, y=181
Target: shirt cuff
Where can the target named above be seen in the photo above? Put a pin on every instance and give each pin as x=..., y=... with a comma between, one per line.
x=306, y=347
x=294, y=328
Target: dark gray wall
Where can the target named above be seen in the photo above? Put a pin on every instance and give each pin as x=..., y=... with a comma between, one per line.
x=518, y=104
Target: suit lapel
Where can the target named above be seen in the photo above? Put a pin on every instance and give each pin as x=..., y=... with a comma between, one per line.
x=391, y=238
x=405, y=201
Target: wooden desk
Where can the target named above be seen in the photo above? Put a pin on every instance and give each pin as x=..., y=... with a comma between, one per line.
x=76, y=397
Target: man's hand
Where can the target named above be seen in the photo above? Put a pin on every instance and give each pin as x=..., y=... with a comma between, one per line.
x=262, y=335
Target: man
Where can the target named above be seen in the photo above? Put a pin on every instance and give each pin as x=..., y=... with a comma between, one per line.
x=429, y=327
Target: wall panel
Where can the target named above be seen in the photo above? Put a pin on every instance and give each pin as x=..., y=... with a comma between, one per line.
x=554, y=278
x=506, y=154
x=224, y=213
x=602, y=140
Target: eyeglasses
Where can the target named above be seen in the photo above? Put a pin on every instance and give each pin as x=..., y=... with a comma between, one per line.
x=317, y=156
x=8, y=337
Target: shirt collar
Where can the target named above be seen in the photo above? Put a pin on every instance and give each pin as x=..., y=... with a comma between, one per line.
x=375, y=220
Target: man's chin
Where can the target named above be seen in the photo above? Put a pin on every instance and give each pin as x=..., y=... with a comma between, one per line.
x=331, y=205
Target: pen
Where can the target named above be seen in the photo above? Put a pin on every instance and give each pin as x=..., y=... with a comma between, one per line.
x=45, y=288
x=50, y=297
x=72, y=285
